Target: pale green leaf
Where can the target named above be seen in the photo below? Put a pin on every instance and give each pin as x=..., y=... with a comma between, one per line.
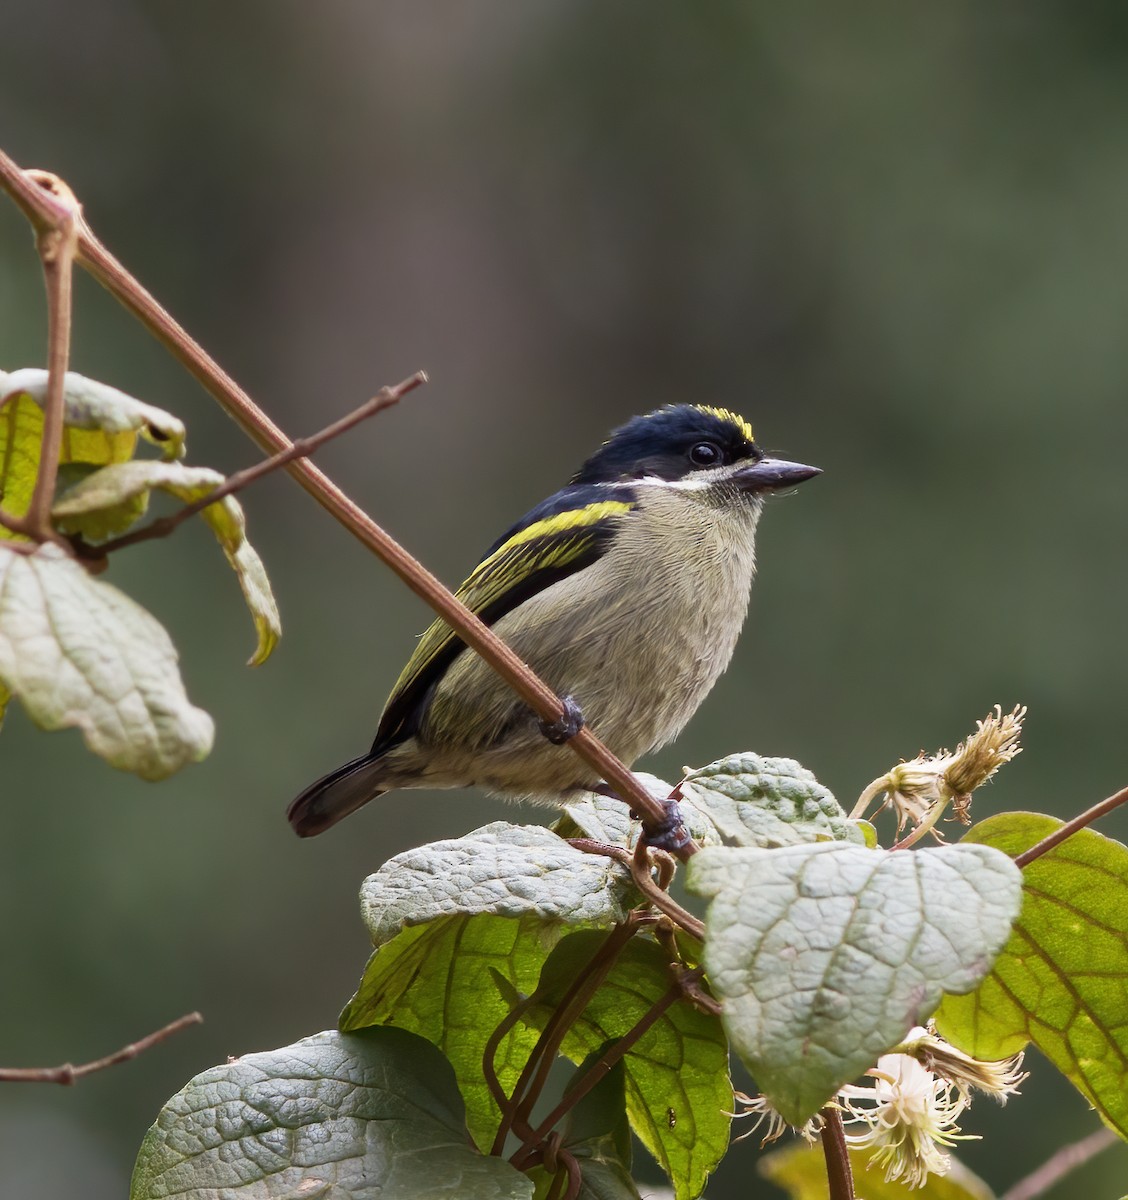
x=801, y=1172
x=78, y=652
x=1061, y=981
x=678, y=1094
x=333, y=1117
x=103, y=502
x=826, y=955
x=748, y=800
x=502, y=869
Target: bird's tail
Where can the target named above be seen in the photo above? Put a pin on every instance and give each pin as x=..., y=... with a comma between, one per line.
x=336, y=795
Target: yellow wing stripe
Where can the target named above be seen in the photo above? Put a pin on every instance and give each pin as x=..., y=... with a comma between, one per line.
x=561, y=523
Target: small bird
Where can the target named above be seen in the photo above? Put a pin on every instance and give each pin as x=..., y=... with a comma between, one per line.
x=625, y=591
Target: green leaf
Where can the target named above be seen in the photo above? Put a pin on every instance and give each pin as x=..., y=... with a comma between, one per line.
x=111, y=499
x=507, y=870
x=1061, y=981
x=678, y=1092
x=78, y=652
x=747, y=800
x=826, y=955
x=801, y=1172
x=332, y=1117
x=100, y=425
x=451, y=917
x=437, y=980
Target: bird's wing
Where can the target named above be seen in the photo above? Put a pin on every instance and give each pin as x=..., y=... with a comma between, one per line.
x=565, y=534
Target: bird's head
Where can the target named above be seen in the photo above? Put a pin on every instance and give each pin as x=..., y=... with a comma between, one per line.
x=694, y=444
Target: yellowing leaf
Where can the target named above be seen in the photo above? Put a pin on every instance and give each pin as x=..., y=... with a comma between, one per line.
x=801, y=1171
x=101, y=425
x=103, y=502
x=78, y=652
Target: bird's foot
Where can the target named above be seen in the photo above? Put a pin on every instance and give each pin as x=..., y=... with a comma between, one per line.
x=566, y=727
x=671, y=835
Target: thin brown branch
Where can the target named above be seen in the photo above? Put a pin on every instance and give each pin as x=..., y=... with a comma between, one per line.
x=41, y=209
x=57, y=248
x=1058, y=1165
x=658, y=896
x=301, y=448
x=838, y=1173
x=689, y=980
x=510, y=1119
x=1071, y=827
x=535, y=1072
x=600, y=1068
x=69, y=1074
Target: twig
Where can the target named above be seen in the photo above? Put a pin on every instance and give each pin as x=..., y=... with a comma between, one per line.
x=42, y=209
x=658, y=896
x=57, y=244
x=301, y=448
x=509, y=1116
x=535, y=1072
x=689, y=980
x=838, y=1173
x=69, y=1074
x=1058, y=1165
x=599, y=1069
x=1071, y=827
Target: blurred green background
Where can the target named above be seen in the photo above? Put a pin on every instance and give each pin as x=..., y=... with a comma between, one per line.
x=894, y=236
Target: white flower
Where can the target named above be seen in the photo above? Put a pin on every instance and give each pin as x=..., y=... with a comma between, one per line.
x=761, y=1108
x=909, y=1114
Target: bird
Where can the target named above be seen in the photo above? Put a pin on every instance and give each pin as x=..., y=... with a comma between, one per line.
x=625, y=591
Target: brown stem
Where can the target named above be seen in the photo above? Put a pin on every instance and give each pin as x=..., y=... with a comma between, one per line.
x=535, y=1072
x=658, y=896
x=1058, y=1165
x=69, y=1074
x=57, y=243
x=838, y=1173
x=1071, y=827
x=599, y=1069
x=509, y=1117
x=301, y=448
x=689, y=980
x=95, y=258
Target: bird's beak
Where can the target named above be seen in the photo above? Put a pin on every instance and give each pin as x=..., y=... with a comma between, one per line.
x=770, y=473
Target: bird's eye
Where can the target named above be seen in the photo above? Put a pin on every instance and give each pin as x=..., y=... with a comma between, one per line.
x=705, y=454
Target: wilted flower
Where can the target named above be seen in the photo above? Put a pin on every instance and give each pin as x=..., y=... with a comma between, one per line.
x=920, y=790
x=998, y=1079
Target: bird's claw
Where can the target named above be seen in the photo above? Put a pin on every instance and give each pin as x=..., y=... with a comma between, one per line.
x=671, y=835
x=564, y=728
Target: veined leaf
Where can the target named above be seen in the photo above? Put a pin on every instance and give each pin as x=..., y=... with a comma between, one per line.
x=77, y=652
x=826, y=955
x=332, y=1117
x=1061, y=981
